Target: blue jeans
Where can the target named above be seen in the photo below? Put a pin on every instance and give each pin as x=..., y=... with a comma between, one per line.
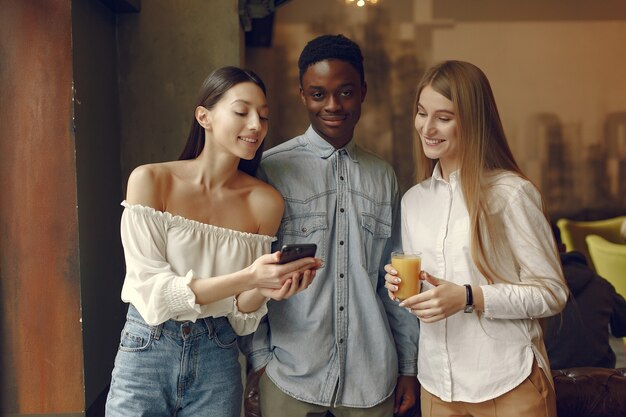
x=177, y=368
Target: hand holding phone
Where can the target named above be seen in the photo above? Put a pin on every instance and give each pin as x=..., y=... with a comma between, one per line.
x=292, y=252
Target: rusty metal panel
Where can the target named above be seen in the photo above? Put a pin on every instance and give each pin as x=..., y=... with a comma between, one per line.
x=40, y=333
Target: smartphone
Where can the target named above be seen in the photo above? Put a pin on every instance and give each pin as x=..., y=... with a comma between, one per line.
x=296, y=251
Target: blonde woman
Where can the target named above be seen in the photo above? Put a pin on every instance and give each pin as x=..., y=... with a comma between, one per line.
x=489, y=260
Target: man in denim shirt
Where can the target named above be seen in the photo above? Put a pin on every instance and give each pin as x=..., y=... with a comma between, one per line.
x=341, y=345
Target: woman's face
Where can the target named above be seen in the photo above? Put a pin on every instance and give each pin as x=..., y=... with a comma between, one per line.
x=437, y=126
x=239, y=121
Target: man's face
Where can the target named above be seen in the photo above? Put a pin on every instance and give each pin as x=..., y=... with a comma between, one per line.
x=332, y=93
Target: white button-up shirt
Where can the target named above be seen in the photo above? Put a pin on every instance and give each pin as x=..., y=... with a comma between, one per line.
x=479, y=356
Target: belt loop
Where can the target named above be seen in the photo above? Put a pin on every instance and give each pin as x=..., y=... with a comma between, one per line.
x=156, y=331
x=208, y=321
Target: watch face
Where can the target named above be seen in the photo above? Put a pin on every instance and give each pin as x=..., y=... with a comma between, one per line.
x=469, y=309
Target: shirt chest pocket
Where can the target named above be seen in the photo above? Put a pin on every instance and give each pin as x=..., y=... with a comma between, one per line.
x=376, y=231
x=306, y=228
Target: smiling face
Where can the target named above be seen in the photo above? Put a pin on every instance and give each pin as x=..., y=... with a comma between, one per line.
x=239, y=120
x=437, y=126
x=332, y=93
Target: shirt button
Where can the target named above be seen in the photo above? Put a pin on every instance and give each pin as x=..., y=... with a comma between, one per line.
x=340, y=341
x=341, y=308
x=340, y=275
x=341, y=242
x=341, y=178
x=341, y=210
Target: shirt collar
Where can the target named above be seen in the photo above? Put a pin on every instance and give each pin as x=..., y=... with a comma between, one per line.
x=324, y=150
x=438, y=177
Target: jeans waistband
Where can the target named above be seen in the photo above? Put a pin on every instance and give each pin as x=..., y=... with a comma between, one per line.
x=180, y=329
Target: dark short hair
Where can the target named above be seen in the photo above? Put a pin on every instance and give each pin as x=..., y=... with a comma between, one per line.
x=327, y=47
x=213, y=89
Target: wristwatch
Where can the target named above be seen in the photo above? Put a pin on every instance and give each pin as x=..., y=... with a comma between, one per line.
x=469, y=299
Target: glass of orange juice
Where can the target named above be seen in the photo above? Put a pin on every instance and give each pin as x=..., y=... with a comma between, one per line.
x=409, y=266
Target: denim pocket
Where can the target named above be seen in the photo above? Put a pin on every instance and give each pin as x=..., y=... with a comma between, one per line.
x=224, y=335
x=377, y=227
x=135, y=337
x=306, y=228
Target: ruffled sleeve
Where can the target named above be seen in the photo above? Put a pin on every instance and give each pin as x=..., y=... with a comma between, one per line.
x=151, y=285
x=246, y=323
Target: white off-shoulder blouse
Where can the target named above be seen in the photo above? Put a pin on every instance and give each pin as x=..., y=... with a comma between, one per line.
x=164, y=252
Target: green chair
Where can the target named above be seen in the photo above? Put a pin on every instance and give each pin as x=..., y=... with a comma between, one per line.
x=610, y=261
x=573, y=233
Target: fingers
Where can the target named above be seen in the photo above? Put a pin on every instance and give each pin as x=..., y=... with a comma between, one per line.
x=391, y=287
x=430, y=279
x=403, y=407
x=431, y=319
x=391, y=280
x=269, y=258
x=302, y=282
x=397, y=402
x=390, y=270
x=426, y=315
x=299, y=266
x=307, y=279
x=412, y=301
x=281, y=294
x=291, y=289
x=294, y=284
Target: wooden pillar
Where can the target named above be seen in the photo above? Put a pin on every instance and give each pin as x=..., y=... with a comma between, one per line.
x=40, y=334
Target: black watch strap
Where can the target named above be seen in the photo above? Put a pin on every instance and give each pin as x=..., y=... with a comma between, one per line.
x=469, y=299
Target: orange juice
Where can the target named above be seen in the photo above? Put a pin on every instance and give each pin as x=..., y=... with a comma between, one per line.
x=408, y=265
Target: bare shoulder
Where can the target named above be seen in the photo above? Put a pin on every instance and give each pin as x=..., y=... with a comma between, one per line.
x=267, y=204
x=148, y=184
x=264, y=195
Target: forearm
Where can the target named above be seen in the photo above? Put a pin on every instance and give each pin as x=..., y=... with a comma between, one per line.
x=522, y=301
x=208, y=290
x=249, y=301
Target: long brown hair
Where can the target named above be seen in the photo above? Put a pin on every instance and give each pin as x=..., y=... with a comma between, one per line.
x=213, y=89
x=483, y=150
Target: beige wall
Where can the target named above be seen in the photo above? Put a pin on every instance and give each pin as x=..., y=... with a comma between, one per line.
x=568, y=69
x=554, y=58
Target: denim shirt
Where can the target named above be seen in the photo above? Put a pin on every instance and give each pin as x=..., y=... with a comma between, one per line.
x=343, y=331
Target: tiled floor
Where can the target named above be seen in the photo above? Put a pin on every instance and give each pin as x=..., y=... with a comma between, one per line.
x=620, y=352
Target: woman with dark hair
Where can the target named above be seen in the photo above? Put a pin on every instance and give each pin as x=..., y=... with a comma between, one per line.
x=196, y=234
x=489, y=260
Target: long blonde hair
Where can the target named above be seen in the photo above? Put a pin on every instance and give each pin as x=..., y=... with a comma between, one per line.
x=483, y=150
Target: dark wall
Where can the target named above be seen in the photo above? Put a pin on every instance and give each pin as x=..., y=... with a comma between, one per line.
x=62, y=115
x=97, y=131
